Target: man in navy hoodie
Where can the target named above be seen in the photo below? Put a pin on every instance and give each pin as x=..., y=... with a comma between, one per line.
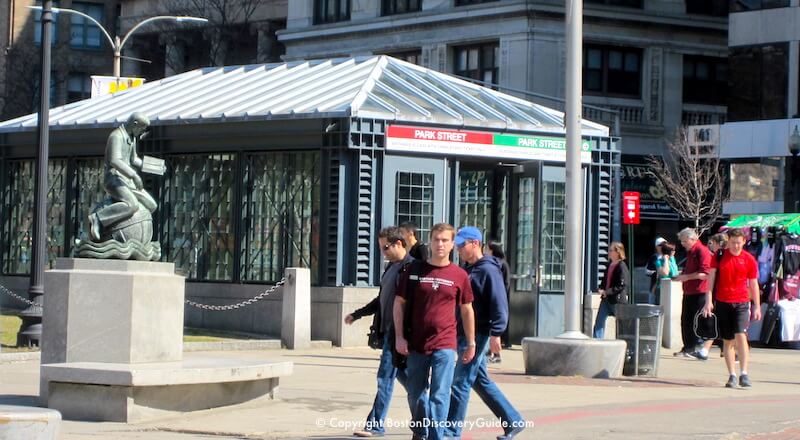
x=491, y=316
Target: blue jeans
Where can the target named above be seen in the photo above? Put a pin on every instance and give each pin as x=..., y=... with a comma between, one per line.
x=603, y=312
x=440, y=364
x=475, y=375
x=387, y=373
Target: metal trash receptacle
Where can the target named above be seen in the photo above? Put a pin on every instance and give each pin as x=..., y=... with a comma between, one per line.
x=639, y=325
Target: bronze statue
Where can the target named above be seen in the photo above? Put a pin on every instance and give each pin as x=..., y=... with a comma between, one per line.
x=121, y=226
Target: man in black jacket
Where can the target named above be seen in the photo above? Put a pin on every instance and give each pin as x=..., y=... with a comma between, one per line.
x=392, y=245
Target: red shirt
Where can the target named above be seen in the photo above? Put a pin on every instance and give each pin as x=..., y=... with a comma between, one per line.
x=698, y=260
x=733, y=273
x=436, y=298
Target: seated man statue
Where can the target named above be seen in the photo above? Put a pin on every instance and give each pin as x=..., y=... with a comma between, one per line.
x=121, y=180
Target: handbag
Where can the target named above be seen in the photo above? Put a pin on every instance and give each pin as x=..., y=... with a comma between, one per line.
x=374, y=338
x=706, y=327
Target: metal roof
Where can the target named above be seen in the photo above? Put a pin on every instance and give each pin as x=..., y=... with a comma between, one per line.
x=378, y=87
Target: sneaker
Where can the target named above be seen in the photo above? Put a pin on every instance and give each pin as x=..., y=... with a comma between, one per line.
x=511, y=434
x=731, y=382
x=367, y=433
x=495, y=360
x=679, y=354
x=697, y=355
x=744, y=381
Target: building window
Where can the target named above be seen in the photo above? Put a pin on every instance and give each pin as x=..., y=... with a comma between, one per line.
x=475, y=199
x=79, y=86
x=37, y=26
x=391, y=7
x=472, y=2
x=82, y=32
x=37, y=82
x=331, y=11
x=715, y=8
x=756, y=182
x=553, y=236
x=625, y=3
x=200, y=237
x=612, y=71
x=755, y=5
x=18, y=200
x=410, y=56
x=760, y=77
x=478, y=61
x=280, y=215
x=705, y=80
x=415, y=200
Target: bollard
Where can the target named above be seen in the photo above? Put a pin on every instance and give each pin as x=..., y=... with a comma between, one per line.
x=671, y=303
x=296, y=309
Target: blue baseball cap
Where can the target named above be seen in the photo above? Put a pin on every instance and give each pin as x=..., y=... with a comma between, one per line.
x=468, y=233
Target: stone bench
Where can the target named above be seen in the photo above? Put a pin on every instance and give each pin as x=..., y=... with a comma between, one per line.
x=28, y=423
x=122, y=392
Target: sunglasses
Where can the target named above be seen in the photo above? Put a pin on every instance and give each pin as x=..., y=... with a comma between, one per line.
x=387, y=246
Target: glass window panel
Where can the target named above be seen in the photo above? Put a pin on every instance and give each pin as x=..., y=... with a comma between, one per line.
x=472, y=59
x=702, y=71
x=419, y=208
x=19, y=202
x=615, y=60
x=280, y=214
x=594, y=59
x=631, y=62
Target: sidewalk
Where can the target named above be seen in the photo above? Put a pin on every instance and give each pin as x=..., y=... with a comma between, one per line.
x=332, y=389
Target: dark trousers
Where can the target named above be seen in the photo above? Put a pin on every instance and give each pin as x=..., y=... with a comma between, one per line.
x=691, y=305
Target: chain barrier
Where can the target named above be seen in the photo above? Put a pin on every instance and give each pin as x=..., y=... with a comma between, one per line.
x=15, y=296
x=239, y=305
x=244, y=303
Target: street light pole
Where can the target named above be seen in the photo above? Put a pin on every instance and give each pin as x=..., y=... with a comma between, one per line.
x=31, y=328
x=574, y=187
x=116, y=43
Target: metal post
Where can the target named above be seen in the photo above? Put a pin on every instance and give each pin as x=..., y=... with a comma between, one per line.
x=574, y=190
x=117, y=55
x=32, y=316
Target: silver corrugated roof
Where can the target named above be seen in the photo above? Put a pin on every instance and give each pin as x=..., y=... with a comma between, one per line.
x=379, y=87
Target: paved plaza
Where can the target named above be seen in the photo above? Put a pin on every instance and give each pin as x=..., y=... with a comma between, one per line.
x=332, y=389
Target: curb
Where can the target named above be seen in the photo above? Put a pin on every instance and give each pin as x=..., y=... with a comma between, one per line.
x=264, y=344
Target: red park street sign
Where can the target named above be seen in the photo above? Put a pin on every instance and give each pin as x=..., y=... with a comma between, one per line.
x=630, y=208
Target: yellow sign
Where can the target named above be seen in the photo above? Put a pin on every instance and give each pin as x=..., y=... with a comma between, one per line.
x=104, y=85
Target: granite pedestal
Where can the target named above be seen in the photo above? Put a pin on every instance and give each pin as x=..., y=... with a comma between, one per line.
x=28, y=423
x=600, y=358
x=113, y=347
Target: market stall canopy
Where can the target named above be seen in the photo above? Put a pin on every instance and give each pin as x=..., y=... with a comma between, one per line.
x=790, y=222
x=379, y=87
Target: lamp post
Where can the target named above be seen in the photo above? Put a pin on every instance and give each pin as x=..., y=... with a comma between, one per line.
x=31, y=328
x=117, y=43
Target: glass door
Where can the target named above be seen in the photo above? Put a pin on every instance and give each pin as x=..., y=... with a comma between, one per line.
x=552, y=243
x=523, y=251
x=413, y=190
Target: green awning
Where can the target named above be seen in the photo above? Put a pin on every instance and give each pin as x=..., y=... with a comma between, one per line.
x=790, y=222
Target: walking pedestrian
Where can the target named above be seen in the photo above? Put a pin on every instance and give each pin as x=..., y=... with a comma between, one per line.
x=491, y=316
x=495, y=249
x=392, y=245
x=416, y=248
x=695, y=288
x=428, y=299
x=615, y=288
x=736, y=278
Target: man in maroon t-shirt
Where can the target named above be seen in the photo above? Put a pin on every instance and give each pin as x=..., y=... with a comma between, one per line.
x=695, y=288
x=440, y=288
x=736, y=277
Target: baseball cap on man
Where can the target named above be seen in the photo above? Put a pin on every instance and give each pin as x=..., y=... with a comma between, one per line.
x=660, y=240
x=468, y=233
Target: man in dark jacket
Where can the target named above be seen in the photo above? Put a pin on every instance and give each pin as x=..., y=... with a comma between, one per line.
x=491, y=316
x=392, y=245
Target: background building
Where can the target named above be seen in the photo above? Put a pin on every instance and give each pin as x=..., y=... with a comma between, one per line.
x=659, y=64
x=765, y=67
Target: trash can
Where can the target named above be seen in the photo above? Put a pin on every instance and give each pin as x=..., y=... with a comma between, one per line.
x=639, y=325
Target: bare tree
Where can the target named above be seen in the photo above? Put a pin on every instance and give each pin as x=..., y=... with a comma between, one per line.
x=229, y=23
x=692, y=180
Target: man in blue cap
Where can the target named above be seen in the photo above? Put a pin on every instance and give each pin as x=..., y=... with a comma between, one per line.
x=491, y=316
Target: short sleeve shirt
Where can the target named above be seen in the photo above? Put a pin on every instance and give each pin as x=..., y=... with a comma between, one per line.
x=698, y=260
x=733, y=273
x=437, y=295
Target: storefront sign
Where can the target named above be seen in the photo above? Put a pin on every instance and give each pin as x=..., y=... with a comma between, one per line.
x=636, y=177
x=104, y=85
x=483, y=144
